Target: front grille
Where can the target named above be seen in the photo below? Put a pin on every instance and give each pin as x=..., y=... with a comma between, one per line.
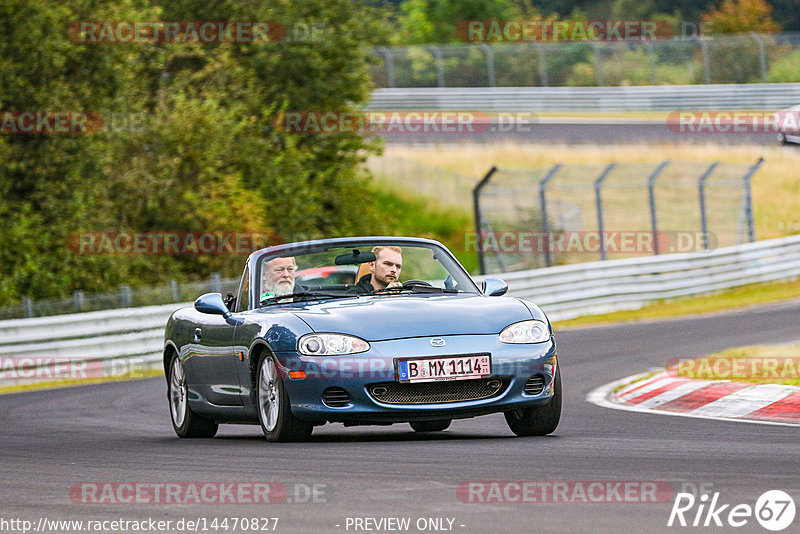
x=335, y=397
x=534, y=385
x=436, y=392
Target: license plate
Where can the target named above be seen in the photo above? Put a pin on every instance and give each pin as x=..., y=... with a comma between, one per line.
x=443, y=368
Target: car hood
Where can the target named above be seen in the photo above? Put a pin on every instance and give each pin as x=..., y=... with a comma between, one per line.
x=404, y=316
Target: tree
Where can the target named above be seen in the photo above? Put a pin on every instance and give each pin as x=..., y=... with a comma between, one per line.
x=740, y=16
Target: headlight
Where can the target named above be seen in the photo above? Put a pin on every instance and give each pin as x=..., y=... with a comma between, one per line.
x=331, y=344
x=525, y=332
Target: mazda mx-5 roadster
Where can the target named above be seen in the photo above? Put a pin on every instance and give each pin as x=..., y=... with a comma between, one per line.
x=360, y=331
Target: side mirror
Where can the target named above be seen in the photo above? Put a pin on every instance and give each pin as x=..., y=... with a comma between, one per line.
x=211, y=303
x=494, y=287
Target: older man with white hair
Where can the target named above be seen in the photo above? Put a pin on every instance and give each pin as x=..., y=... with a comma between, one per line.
x=277, y=277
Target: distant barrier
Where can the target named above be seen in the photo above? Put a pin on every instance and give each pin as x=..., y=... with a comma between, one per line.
x=758, y=96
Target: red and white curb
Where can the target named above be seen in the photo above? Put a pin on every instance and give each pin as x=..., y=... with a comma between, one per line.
x=708, y=399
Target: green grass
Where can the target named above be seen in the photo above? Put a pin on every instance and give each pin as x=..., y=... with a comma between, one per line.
x=739, y=297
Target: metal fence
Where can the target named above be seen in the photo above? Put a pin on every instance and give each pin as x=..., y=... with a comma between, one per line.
x=124, y=297
x=526, y=219
x=741, y=58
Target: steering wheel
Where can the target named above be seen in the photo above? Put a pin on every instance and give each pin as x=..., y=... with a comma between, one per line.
x=411, y=283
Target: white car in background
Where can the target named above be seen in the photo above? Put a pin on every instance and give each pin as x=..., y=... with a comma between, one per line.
x=789, y=130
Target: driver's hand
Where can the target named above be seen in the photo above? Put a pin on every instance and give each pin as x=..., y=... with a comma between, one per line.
x=393, y=285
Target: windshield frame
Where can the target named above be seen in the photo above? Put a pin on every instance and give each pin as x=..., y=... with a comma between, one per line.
x=260, y=257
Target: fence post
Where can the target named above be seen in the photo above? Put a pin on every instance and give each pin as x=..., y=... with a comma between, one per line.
x=543, y=202
x=651, y=184
x=701, y=187
x=387, y=53
x=476, y=206
x=598, y=64
x=762, y=55
x=125, y=295
x=27, y=306
x=598, y=199
x=489, y=64
x=651, y=54
x=172, y=285
x=542, y=64
x=748, y=200
x=706, y=58
x=78, y=299
x=216, y=283
x=437, y=53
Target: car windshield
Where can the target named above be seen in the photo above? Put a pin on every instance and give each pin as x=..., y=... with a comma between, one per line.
x=379, y=268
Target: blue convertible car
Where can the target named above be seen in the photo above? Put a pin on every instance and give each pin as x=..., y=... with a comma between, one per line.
x=360, y=331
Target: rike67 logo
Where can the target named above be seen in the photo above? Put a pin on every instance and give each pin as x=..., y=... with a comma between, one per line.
x=774, y=510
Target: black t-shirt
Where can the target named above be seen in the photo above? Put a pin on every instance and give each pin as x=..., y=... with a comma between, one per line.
x=364, y=285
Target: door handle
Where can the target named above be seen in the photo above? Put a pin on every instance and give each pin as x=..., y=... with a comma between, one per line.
x=198, y=334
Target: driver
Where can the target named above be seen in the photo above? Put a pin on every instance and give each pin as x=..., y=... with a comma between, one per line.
x=277, y=277
x=385, y=270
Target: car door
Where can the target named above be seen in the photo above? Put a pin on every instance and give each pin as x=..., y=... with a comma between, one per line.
x=212, y=361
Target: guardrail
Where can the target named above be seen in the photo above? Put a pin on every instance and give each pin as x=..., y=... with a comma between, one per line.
x=568, y=291
x=100, y=344
x=135, y=335
x=766, y=96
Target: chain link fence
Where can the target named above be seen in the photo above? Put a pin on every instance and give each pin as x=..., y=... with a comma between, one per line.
x=741, y=58
x=564, y=214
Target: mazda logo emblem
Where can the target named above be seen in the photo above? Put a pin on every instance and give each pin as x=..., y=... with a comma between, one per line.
x=438, y=342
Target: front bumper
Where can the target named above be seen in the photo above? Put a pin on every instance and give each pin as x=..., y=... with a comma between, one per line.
x=512, y=365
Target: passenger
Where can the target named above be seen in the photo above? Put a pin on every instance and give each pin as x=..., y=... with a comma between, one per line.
x=277, y=277
x=385, y=270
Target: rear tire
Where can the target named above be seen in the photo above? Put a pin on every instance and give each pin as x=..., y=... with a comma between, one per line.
x=430, y=426
x=186, y=423
x=538, y=420
x=274, y=407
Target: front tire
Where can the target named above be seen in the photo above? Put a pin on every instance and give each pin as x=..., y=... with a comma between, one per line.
x=430, y=426
x=186, y=423
x=538, y=420
x=274, y=407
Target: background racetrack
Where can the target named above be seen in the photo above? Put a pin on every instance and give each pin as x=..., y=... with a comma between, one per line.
x=120, y=432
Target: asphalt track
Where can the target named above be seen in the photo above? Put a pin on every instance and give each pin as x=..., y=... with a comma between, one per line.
x=120, y=432
x=584, y=131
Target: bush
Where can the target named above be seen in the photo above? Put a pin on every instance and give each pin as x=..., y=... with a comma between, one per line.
x=785, y=69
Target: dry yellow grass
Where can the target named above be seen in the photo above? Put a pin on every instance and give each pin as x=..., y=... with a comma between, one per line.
x=776, y=186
